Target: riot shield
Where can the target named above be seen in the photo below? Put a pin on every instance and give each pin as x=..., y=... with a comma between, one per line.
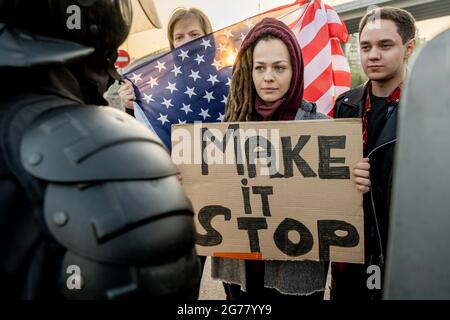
x=418, y=260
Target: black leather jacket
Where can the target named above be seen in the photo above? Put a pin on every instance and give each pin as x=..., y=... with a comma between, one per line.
x=376, y=202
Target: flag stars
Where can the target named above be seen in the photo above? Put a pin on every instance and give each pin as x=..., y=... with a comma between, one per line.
x=171, y=87
x=206, y=43
x=217, y=64
x=199, y=59
x=221, y=117
x=204, y=114
x=229, y=82
x=194, y=75
x=221, y=48
x=153, y=82
x=186, y=108
x=148, y=98
x=209, y=96
x=190, y=92
x=136, y=78
x=213, y=79
x=160, y=66
x=249, y=23
x=227, y=33
x=167, y=103
x=224, y=100
x=181, y=122
x=184, y=54
x=176, y=71
x=163, y=119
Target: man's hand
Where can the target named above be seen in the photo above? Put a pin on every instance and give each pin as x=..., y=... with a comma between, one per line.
x=362, y=175
x=126, y=94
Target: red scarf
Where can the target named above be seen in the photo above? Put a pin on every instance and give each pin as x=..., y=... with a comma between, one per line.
x=267, y=112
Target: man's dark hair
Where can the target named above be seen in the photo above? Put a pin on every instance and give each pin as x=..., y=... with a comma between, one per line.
x=404, y=20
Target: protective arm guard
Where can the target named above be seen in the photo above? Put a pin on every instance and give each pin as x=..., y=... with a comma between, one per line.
x=114, y=201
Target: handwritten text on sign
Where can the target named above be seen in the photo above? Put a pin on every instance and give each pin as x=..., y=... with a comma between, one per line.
x=274, y=190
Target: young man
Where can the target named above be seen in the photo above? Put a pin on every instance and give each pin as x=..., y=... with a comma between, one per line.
x=387, y=40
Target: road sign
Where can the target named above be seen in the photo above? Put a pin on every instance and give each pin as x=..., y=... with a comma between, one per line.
x=123, y=59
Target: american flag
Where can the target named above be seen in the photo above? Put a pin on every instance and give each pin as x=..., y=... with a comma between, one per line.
x=191, y=83
x=320, y=32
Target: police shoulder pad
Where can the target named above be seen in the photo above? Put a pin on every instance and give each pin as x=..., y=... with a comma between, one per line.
x=87, y=143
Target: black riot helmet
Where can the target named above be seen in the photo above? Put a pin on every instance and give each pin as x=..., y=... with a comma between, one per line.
x=101, y=24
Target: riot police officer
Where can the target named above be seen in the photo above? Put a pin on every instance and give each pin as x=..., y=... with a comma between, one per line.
x=91, y=207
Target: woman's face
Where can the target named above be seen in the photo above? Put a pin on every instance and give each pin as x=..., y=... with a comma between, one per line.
x=185, y=30
x=272, y=70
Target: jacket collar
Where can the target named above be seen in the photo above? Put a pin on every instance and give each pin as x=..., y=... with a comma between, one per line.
x=355, y=99
x=388, y=133
x=60, y=81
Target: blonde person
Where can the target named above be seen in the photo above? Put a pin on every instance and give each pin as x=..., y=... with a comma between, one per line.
x=267, y=85
x=184, y=26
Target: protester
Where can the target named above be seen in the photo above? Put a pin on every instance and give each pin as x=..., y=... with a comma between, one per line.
x=387, y=41
x=184, y=25
x=267, y=85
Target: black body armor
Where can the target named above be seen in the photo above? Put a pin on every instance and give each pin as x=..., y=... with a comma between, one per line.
x=90, y=204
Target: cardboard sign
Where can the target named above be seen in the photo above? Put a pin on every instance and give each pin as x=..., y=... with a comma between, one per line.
x=274, y=190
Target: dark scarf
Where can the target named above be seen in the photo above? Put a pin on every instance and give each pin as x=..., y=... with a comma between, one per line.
x=286, y=108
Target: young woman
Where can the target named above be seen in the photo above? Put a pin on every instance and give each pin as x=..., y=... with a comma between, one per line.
x=184, y=26
x=267, y=85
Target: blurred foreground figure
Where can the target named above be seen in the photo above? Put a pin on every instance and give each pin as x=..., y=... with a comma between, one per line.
x=418, y=254
x=90, y=205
